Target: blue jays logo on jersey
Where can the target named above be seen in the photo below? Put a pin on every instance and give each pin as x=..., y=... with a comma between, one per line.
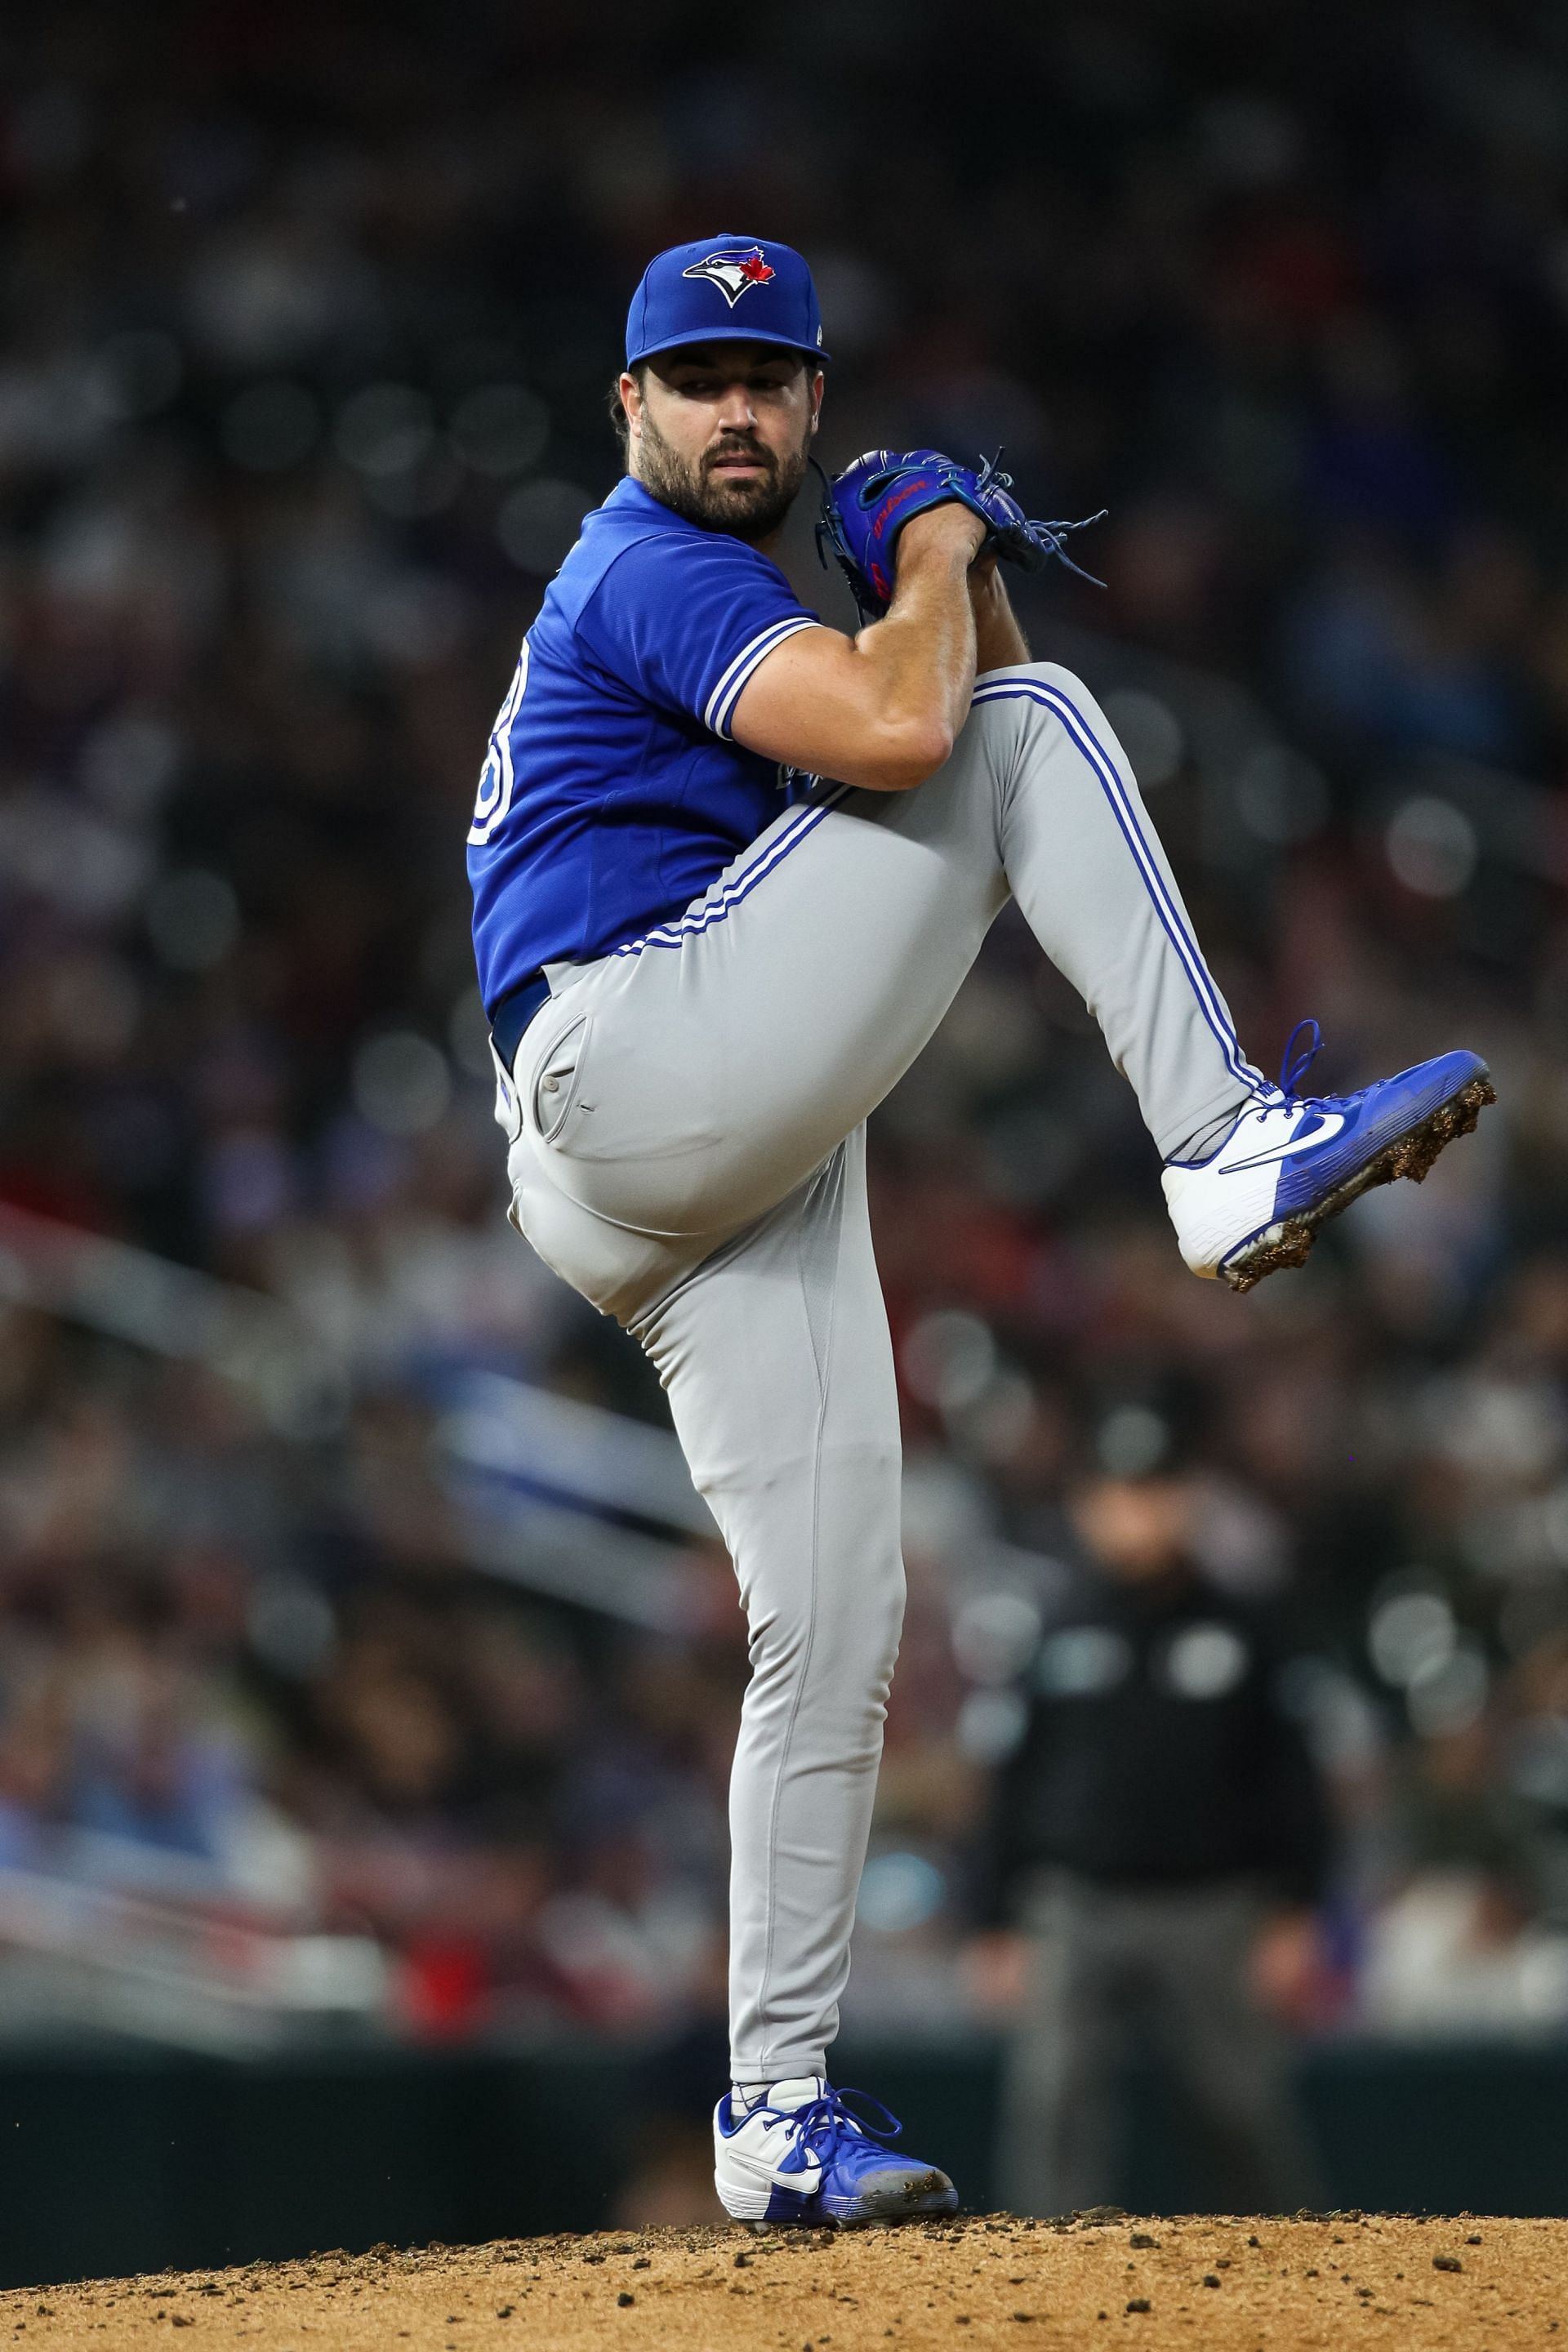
x=734, y=271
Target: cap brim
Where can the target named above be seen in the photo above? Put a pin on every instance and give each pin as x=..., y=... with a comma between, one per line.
x=725, y=334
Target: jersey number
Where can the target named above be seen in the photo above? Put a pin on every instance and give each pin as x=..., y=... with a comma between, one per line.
x=495, y=776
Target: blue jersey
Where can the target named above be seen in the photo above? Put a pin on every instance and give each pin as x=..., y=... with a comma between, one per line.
x=612, y=792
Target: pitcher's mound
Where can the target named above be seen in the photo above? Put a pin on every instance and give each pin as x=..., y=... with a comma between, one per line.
x=1103, y=2280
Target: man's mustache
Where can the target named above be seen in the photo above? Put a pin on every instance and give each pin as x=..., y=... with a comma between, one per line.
x=751, y=449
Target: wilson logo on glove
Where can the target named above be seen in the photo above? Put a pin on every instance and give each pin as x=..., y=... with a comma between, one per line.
x=889, y=506
x=734, y=273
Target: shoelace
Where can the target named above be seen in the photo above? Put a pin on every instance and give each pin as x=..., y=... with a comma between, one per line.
x=826, y=2119
x=1293, y=1070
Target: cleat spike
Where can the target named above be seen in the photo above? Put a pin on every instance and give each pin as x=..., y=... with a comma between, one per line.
x=1289, y=1242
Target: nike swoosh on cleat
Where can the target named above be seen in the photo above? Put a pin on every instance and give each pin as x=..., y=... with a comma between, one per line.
x=1333, y=1122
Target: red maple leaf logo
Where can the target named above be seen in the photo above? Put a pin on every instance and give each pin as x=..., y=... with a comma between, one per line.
x=755, y=270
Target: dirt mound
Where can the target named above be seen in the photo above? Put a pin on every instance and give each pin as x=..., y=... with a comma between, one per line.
x=1100, y=2280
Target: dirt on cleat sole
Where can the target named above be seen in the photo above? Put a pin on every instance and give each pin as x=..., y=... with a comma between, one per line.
x=1290, y=1240
x=925, y=2197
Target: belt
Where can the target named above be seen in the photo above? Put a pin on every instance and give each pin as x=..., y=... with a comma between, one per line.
x=513, y=1012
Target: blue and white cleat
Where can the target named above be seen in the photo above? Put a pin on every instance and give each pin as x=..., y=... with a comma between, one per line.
x=803, y=2160
x=1295, y=1160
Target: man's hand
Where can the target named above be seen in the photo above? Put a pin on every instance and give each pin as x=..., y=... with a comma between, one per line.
x=995, y=1969
x=1286, y=1968
x=952, y=527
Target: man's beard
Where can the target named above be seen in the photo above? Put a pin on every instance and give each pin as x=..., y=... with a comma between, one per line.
x=716, y=500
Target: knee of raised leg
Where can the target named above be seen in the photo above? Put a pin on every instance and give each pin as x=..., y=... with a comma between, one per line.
x=1060, y=680
x=1032, y=707
x=1061, y=699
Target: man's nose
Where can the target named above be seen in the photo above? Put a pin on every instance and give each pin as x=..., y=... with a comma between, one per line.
x=735, y=410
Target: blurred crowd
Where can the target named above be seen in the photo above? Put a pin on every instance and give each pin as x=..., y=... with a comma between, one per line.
x=308, y=318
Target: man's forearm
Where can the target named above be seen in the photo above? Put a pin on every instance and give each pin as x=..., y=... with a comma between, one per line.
x=881, y=710
x=950, y=619
x=999, y=641
x=924, y=647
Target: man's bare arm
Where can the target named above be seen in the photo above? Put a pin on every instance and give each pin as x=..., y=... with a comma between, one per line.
x=881, y=709
x=999, y=641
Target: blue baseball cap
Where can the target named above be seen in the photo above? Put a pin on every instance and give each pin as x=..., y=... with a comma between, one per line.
x=724, y=289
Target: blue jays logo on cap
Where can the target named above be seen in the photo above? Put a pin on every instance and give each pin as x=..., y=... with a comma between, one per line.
x=735, y=274
x=688, y=294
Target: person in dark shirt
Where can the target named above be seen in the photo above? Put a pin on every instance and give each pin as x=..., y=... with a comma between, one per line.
x=1157, y=1843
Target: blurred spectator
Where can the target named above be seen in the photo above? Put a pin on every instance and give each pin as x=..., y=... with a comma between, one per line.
x=1158, y=1841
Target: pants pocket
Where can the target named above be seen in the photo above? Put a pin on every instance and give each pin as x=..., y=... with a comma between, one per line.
x=557, y=1079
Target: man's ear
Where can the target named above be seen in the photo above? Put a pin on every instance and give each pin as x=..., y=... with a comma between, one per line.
x=631, y=400
x=818, y=386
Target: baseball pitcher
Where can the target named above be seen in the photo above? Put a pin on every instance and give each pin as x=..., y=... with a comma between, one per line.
x=729, y=868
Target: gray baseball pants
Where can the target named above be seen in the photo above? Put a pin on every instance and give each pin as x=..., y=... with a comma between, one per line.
x=685, y=1122
x=1114, y=1967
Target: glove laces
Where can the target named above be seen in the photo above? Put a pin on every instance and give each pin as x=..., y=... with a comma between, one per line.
x=989, y=476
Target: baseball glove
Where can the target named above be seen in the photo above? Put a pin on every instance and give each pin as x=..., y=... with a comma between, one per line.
x=865, y=509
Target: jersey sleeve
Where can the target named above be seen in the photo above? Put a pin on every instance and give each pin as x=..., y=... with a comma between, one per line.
x=685, y=620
